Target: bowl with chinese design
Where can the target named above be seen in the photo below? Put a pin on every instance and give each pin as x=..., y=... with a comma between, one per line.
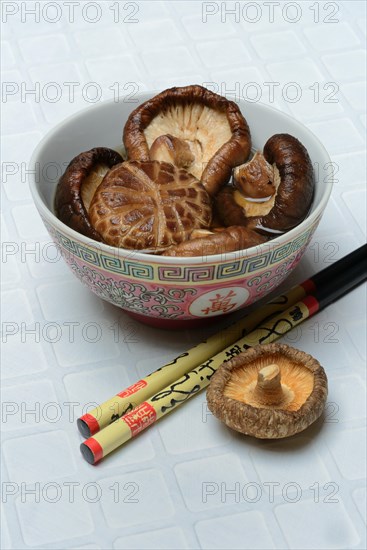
x=165, y=291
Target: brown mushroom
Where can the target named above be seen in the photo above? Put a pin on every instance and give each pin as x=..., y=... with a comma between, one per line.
x=256, y=179
x=221, y=241
x=228, y=209
x=194, y=127
x=149, y=206
x=171, y=149
x=273, y=191
x=199, y=233
x=77, y=186
x=269, y=392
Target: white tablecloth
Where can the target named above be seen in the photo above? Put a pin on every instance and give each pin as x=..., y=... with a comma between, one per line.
x=188, y=482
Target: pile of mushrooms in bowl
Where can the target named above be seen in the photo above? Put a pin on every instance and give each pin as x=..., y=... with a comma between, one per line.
x=205, y=207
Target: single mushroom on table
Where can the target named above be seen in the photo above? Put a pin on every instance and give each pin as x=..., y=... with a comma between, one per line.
x=194, y=129
x=269, y=392
x=77, y=186
x=149, y=206
x=273, y=191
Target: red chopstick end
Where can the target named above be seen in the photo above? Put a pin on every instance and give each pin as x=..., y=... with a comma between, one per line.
x=312, y=304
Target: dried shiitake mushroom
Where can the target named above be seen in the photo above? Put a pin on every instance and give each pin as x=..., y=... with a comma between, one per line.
x=171, y=149
x=269, y=392
x=218, y=242
x=256, y=179
x=193, y=128
x=273, y=191
x=77, y=186
x=149, y=206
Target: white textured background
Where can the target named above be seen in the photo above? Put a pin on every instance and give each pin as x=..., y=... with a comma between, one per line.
x=319, y=476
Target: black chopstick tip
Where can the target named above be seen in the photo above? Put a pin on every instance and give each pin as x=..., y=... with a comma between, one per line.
x=87, y=453
x=83, y=428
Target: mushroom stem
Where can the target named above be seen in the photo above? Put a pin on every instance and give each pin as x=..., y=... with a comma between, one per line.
x=256, y=179
x=172, y=149
x=268, y=389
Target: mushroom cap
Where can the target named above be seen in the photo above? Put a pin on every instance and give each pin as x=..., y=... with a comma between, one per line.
x=217, y=133
x=219, y=242
x=77, y=186
x=232, y=397
x=295, y=191
x=149, y=206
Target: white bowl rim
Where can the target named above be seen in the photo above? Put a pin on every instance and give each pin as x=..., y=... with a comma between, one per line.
x=153, y=258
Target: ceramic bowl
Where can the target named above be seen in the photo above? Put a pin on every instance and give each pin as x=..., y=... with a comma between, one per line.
x=164, y=291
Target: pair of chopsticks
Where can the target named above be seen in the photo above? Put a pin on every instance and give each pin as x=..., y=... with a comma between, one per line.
x=132, y=410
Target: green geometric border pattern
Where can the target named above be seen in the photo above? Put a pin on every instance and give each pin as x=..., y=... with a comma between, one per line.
x=179, y=274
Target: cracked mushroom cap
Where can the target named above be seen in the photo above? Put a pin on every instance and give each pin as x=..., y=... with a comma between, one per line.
x=269, y=392
x=194, y=129
x=149, y=206
x=77, y=186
